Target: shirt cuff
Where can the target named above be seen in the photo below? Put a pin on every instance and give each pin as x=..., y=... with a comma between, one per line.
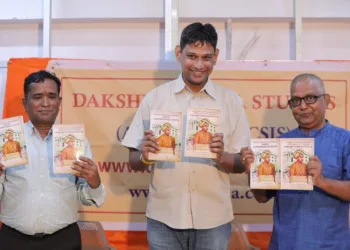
x=96, y=192
x=97, y=195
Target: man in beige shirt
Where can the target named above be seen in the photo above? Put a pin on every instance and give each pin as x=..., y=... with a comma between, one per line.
x=189, y=203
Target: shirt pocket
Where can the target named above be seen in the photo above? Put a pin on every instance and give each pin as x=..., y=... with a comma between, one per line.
x=332, y=166
x=63, y=182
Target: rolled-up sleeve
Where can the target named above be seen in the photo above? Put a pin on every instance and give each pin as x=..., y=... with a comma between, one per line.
x=89, y=196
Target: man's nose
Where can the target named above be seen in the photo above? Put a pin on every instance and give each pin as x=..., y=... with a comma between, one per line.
x=45, y=102
x=303, y=104
x=199, y=64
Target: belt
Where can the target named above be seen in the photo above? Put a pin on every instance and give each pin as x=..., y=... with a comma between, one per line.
x=38, y=235
x=34, y=236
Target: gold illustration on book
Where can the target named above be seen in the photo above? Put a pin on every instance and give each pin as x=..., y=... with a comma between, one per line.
x=69, y=145
x=167, y=127
x=13, y=151
x=201, y=126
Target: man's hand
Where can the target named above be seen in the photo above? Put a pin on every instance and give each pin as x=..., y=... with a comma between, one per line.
x=314, y=168
x=217, y=146
x=149, y=144
x=2, y=168
x=87, y=169
x=247, y=157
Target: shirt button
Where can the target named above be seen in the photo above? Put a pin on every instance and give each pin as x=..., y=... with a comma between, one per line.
x=42, y=158
x=41, y=195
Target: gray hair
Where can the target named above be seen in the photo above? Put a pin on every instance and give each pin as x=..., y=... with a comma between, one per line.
x=311, y=78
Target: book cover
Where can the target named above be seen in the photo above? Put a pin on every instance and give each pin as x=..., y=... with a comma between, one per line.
x=295, y=154
x=265, y=170
x=68, y=146
x=167, y=127
x=13, y=151
x=201, y=126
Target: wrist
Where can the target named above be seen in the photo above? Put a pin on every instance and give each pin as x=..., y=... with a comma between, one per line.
x=321, y=183
x=144, y=161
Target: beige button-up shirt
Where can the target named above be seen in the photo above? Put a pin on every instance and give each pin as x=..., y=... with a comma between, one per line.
x=193, y=193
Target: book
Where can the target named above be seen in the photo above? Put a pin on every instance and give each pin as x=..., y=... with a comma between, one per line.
x=281, y=163
x=68, y=146
x=13, y=150
x=266, y=169
x=167, y=127
x=201, y=126
x=295, y=155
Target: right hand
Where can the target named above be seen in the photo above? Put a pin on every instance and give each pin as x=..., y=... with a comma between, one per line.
x=2, y=168
x=149, y=144
x=247, y=158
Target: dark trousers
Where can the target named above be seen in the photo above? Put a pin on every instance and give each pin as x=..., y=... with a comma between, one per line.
x=65, y=239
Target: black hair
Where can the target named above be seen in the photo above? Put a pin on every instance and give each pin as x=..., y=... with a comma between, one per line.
x=198, y=32
x=38, y=77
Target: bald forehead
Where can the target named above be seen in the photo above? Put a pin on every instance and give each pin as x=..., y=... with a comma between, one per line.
x=307, y=86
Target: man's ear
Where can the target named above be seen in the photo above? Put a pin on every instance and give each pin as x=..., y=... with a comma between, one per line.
x=178, y=52
x=327, y=99
x=24, y=102
x=216, y=55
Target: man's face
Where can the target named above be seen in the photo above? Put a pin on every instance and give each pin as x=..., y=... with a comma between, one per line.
x=309, y=116
x=71, y=142
x=205, y=127
x=167, y=131
x=197, y=62
x=42, y=102
x=10, y=137
x=300, y=158
x=267, y=158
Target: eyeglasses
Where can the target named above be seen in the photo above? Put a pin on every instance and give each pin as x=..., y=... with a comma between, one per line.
x=309, y=99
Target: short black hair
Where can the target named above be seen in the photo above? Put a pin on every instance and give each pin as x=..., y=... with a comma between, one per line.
x=198, y=32
x=40, y=76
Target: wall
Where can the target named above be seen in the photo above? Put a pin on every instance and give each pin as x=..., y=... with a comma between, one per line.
x=134, y=30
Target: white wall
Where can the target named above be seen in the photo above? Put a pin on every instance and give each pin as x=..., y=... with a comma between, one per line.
x=134, y=30
x=3, y=71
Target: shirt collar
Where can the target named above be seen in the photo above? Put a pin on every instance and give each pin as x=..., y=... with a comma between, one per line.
x=33, y=130
x=180, y=85
x=315, y=132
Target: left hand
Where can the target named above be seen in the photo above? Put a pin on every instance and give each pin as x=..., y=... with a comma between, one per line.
x=314, y=168
x=87, y=169
x=217, y=146
x=247, y=158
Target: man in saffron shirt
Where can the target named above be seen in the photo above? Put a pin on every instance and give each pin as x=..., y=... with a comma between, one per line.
x=315, y=219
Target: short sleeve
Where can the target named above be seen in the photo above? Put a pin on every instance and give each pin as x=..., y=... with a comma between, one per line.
x=141, y=122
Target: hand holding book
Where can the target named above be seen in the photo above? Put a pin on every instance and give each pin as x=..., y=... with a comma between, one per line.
x=247, y=157
x=149, y=145
x=314, y=168
x=217, y=146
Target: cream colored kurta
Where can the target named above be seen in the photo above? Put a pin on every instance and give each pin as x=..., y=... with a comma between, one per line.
x=192, y=193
